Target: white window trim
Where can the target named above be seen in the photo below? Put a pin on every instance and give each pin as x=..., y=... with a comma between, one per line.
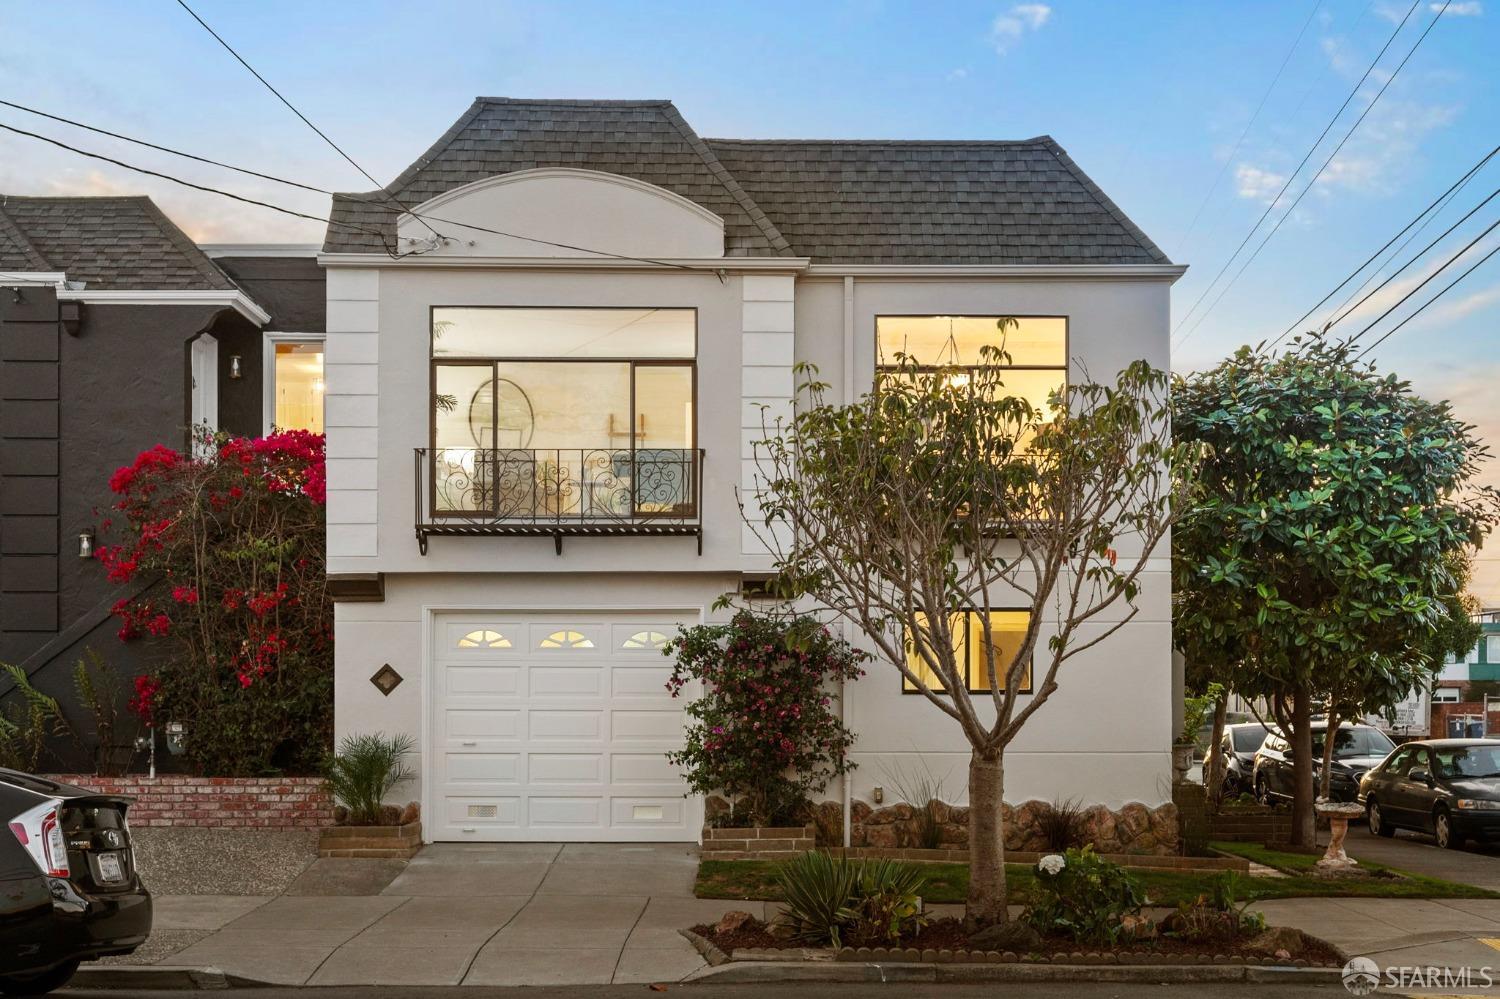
x=268, y=371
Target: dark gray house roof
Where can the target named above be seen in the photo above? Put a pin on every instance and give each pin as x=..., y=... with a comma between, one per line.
x=1023, y=202
x=111, y=243
x=835, y=201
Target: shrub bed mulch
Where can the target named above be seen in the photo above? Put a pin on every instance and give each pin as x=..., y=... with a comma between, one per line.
x=945, y=940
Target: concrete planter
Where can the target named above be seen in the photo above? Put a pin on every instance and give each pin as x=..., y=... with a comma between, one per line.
x=371, y=842
x=757, y=842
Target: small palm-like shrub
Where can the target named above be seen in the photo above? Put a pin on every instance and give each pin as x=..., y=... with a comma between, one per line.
x=833, y=899
x=365, y=769
x=1082, y=895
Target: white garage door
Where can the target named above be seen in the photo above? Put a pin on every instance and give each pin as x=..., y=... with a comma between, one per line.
x=553, y=727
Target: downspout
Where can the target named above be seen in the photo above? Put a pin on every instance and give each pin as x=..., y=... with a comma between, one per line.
x=846, y=780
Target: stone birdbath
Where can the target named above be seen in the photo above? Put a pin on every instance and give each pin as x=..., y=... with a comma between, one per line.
x=1338, y=814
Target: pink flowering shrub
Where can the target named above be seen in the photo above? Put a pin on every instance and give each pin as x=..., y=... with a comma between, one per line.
x=764, y=733
x=232, y=538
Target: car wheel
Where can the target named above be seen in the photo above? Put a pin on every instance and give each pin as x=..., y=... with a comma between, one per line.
x=39, y=984
x=1378, y=825
x=1442, y=828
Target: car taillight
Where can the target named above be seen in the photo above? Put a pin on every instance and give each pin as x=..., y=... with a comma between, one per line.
x=40, y=833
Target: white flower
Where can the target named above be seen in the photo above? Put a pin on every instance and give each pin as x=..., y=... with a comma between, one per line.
x=1052, y=863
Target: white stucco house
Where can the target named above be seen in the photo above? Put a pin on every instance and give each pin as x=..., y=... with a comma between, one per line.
x=542, y=396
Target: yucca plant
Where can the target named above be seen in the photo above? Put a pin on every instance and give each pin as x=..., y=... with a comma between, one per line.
x=365, y=769
x=827, y=898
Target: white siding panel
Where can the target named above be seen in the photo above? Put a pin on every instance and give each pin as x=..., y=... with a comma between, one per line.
x=769, y=317
x=353, y=379
x=351, y=540
x=353, y=317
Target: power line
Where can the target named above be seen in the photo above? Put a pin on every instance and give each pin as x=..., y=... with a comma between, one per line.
x=1251, y=124
x=1310, y=184
x=1446, y=264
x=306, y=187
x=1321, y=136
x=1415, y=257
x=199, y=187
x=1449, y=287
x=1453, y=189
x=291, y=107
x=164, y=149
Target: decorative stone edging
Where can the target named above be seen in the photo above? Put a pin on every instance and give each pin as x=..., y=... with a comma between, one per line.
x=1133, y=828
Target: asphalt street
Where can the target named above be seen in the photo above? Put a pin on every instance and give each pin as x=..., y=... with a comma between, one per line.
x=789, y=990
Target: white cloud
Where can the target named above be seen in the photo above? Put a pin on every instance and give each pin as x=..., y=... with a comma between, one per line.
x=1256, y=184
x=1449, y=312
x=1006, y=30
x=1358, y=318
x=1383, y=152
x=91, y=183
x=1391, y=12
x=1460, y=8
x=960, y=73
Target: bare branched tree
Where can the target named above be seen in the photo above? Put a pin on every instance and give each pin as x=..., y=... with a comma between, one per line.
x=938, y=495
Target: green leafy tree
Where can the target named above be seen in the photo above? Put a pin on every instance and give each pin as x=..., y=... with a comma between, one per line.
x=936, y=496
x=1315, y=570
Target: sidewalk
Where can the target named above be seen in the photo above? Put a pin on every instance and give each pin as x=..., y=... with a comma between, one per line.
x=517, y=914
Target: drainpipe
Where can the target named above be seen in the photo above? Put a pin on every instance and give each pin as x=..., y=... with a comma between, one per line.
x=849, y=395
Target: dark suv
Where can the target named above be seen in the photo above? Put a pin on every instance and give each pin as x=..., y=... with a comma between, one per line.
x=1358, y=748
x=69, y=891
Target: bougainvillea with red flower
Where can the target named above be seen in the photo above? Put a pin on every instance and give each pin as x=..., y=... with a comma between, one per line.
x=764, y=733
x=231, y=538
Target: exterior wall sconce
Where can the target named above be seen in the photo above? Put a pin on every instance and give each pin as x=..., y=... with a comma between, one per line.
x=234, y=366
x=877, y=794
x=86, y=544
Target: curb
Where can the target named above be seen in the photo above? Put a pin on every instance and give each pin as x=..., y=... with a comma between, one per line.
x=151, y=977
x=744, y=972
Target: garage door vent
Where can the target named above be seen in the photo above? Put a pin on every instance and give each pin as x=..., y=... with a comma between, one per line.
x=481, y=811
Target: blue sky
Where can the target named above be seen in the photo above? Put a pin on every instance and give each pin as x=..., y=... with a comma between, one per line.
x=1150, y=98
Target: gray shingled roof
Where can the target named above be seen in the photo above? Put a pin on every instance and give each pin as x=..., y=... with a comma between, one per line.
x=111, y=243
x=833, y=201
x=1023, y=202
x=647, y=140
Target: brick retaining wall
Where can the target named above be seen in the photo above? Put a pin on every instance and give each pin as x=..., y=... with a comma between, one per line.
x=763, y=843
x=218, y=802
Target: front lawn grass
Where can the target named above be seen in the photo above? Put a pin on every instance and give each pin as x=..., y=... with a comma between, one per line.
x=755, y=880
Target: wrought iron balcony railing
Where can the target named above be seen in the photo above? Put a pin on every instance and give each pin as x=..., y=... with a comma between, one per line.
x=558, y=492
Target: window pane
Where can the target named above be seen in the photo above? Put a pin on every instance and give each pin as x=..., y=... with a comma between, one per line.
x=664, y=405
x=919, y=666
x=958, y=340
x=463, y=431
x=297, y=383
x=1007, y=631
x=570, y=405
x=563, y=333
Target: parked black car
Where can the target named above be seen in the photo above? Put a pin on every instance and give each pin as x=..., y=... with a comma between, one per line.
x=1357, y=748
x=1241, y=742
x=69, y=890
x=1448, y=787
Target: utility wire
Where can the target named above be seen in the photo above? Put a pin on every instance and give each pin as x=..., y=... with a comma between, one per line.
x=1452, y=190
x=1446, y=264
x=292, y=183
x=1449, y=287
x=1251, y=124
x=200, y=187
x=1310, y=184
x=1293, y=176
x=1345, y=314
x=293, y=108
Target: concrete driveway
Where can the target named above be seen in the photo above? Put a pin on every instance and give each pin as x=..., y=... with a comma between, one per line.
x=481, y=914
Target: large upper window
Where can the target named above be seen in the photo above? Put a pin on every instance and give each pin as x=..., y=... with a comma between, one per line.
x=975, y=647
x=564, y=411
x=1035, y=349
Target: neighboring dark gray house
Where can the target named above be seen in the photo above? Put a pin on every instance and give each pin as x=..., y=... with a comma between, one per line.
x=117, y=332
